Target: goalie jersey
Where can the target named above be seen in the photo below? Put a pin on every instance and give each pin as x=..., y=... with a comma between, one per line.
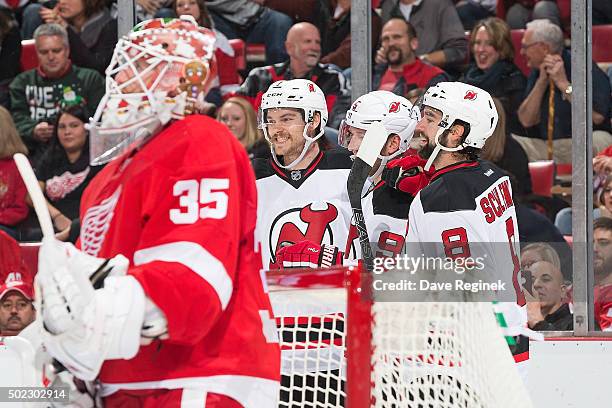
x=183, y=211
x=297, y=205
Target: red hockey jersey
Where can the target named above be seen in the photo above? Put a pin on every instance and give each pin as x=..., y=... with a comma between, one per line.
x=183, y=209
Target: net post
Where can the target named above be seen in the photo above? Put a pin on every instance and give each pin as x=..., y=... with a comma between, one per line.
x=358, y=338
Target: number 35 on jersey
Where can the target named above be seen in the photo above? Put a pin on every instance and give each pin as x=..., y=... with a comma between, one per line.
x=202, y=199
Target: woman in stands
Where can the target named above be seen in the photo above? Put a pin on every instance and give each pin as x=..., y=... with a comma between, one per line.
x=92, y=32
x=493, y=68
x=64, y=170
x=13, y=206
x=238, y=115
x=507, y=153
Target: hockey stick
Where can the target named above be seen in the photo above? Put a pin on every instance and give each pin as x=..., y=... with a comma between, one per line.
x=373, y=142
x=38, y=200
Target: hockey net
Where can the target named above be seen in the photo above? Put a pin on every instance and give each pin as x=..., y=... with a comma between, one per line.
x=340, y=349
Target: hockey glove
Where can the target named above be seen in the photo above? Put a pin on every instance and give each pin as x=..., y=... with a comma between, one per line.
x=85, y=326
x=307, y=254
x=406, y=174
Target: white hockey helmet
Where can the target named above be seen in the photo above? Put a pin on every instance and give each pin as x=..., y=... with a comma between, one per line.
x=298, y=94
x=157, y=72
x=395, y=112
x=466, y=103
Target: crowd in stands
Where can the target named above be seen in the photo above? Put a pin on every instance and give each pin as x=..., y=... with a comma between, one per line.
x=416, y=43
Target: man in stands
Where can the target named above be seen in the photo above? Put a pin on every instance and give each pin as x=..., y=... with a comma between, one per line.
x=403, y=71
x=253, y=22
x=602, y=267
x=304, y=48
x=302, y=189
x=548, y=310
x=385, y=208
x=37, y=95
x=16, y=307
x=542, y=46
x=184, y=320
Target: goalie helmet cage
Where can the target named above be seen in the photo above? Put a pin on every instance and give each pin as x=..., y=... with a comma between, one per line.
x=340, y=349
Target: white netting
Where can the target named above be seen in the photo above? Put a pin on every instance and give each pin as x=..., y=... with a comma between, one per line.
x=311, y=331
x=442, y=355
x=426, y=355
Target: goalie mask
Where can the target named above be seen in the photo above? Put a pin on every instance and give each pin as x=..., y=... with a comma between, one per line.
x=300, y=94
x=466, y=103
x=157, y=73
x=395, y=112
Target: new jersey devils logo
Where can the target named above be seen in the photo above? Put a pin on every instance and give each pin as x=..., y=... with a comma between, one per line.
x=470, y=95
x=355, y=105
x=394, y=107
x=302, y=224
x=311, y=87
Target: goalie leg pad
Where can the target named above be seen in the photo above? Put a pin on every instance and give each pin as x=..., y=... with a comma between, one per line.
x=107, y=328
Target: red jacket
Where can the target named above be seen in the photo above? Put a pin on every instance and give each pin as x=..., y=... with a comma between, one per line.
x=13, y=207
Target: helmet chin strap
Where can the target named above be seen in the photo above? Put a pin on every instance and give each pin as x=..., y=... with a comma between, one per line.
x=438, y=148
x=309, y=142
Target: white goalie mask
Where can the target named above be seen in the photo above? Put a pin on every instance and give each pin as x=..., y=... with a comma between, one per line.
x=299, y=94
x=156, y=74
x=466, y=103
x=395, y=112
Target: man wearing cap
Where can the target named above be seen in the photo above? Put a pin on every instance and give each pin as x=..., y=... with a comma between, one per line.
x=16, y=308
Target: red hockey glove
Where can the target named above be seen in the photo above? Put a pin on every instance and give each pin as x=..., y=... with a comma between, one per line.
x=406, y=174
x=307, y=254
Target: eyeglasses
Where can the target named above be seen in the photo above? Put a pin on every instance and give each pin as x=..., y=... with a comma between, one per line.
x=527, y=46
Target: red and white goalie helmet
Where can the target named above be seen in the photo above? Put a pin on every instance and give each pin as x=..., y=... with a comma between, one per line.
x=157, y=73
x=297, y=94
x=463, y=102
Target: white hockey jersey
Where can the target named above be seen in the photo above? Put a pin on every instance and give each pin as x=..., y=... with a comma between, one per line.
x=297, y=205
x=467, y=211
x=385, y=211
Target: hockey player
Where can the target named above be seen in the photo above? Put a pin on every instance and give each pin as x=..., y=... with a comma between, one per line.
x=302, y=189
x=385, y=209
x=184, y=321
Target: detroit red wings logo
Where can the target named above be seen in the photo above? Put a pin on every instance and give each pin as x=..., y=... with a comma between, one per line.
x=60, y=186
x=96, y=223
x=470, y=96
x=302, y=224
x=394, y=107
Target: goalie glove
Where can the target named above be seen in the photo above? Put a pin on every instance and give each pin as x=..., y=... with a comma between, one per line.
x=406, y=174
x=84, y=326
x=307, y=254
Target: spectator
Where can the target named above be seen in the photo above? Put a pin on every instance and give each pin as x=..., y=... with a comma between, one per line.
x=441, y=35
x=602, y=267
x=64, y=170
x=16, y=307
x=507, y=153
x=519, y=12
x=10, y=54
x=563, y=220
x=472, y=11
x=13, y=207
x=555, y=251
x=602, y=163
x=304, y=48
x=602, y=12
x=197, y=9
x=92, y=32
x=539, y=251
x=494, y=70
x=252, y=22
x=547, y=307
x=333, y=19
x=238, y=115
x=403, y=71
x=36, y=94
x=542, y=46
